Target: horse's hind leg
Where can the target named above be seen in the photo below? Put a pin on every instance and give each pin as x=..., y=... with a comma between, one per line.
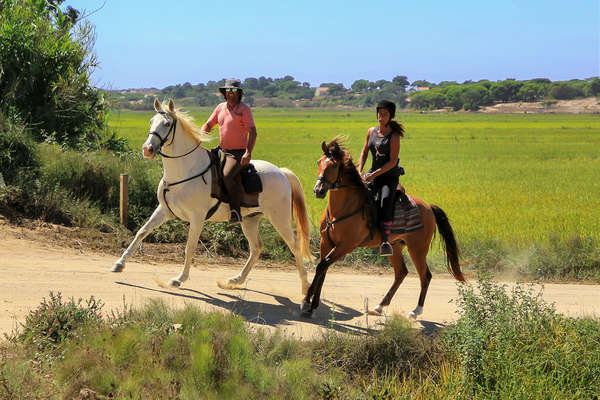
x=400, y=272
x=159, y=216
x=284, y=227
x=250, y=229
x=419, y=259
x=190, y=250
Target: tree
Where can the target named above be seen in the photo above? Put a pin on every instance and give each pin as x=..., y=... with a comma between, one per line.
x=46, y=61
x=251, y=83
x=360, y=85
x=421, y=83
x=564, y=91
x=401, y=81
x=454, y=97
x=505, y=90
x=474, y=96
x=594, y=87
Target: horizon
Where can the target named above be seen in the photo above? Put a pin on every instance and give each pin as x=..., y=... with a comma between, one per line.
x=151, y=45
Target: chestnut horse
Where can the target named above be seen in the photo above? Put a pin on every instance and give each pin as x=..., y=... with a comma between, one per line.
x=344, y=228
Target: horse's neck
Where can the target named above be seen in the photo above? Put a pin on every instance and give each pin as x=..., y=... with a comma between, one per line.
x=175, y=169
x=347, y=199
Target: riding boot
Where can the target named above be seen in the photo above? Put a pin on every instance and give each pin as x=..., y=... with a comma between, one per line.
x=386, y=248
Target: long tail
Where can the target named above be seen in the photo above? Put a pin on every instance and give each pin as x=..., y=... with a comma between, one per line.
x=450, y=246
x=302, y=221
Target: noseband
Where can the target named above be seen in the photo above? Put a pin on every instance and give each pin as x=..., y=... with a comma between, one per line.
x=172, y=128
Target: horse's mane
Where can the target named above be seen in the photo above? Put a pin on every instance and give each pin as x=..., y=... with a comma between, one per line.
x=189, y=126
x=338, y=150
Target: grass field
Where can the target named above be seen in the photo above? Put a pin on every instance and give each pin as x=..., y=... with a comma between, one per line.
x=511, y=179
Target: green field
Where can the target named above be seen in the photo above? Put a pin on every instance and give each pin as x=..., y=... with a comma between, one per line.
x=511, y=179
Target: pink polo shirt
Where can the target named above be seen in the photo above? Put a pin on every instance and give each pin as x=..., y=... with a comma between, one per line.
x=234, y=125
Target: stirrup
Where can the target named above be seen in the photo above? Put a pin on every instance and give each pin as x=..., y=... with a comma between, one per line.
x=234, y=218
x=386, y=249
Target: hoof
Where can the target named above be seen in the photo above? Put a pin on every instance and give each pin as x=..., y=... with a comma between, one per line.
x=306, y=309
x=231, y=283
x=378, y=311
x=118, y=267
x=175, y=283
x=415, y=313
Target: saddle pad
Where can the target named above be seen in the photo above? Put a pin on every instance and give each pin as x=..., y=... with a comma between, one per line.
x=218, y=191
x=406, y=219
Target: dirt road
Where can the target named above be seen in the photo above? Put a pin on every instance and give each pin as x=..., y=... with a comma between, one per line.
x=30, y=269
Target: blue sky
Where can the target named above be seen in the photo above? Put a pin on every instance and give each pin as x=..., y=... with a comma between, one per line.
x=158, y=43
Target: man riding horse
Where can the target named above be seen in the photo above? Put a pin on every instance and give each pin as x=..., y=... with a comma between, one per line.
x=237, y=136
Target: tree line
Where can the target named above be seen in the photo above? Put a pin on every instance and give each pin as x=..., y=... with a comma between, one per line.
x=420, y=94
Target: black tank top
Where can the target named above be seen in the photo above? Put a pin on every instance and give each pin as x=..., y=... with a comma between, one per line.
x=380, y=150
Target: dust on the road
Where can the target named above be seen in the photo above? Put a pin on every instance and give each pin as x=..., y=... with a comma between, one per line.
x=31, y=267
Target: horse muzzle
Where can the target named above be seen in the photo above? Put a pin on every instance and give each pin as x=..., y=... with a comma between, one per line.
x=320, y=189
x=148, y=151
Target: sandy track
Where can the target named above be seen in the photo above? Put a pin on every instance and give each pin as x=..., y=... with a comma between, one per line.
x=31, y=269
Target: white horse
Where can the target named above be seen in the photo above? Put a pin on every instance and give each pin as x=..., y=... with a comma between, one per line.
x=185, y=192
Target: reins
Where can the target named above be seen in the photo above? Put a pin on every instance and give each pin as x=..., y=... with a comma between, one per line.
x=172, y=128
x=336, y=185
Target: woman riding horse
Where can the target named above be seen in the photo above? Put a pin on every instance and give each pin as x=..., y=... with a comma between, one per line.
x=344, y=227
x=383, y=142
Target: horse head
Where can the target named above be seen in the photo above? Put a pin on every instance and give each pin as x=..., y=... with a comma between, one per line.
x=162, y=128
x=331, y=166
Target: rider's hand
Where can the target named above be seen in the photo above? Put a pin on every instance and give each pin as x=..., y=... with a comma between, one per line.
x=368, y=177
x=246, y=159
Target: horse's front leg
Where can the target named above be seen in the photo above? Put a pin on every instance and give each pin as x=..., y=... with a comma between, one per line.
x=190, y=250
x=314, y=291
x=159, y=216
x=250, y=229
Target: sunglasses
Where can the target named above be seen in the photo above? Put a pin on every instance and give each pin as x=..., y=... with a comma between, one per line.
x=231, y=90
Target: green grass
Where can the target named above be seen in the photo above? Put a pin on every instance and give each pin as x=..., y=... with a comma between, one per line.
x=517, y=180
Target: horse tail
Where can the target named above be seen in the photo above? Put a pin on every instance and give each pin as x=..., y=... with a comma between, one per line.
x=449, y=243
x=302, y=222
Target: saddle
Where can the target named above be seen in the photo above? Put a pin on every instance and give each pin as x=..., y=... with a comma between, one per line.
x=248, y=177
x=406, y=213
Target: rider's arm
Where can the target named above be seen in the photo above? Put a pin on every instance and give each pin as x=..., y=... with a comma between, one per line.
x=394, y=150
x=211, y=121
x=251, y=141
x=365, y=152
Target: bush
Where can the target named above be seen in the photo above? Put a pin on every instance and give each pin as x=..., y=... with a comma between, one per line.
x=19, y=158
x=575, y=258
x=54, y=320
x=46, y=62
x=513, y=345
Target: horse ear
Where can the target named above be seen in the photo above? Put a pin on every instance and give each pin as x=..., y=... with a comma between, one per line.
x=171, y=106
x=157, y=106
x=325, y=149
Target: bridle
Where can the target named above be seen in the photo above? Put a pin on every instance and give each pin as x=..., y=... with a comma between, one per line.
x=173, y=129
x=337, y=183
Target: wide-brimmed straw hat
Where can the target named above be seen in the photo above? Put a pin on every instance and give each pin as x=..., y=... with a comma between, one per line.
x=230, y=84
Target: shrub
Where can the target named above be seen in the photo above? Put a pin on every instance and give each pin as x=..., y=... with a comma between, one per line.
x=513, y=345
x=575, y=258
x=19, y=157
x=54, y=320
x=46, y=61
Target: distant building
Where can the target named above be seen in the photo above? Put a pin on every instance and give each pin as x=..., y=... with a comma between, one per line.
x=321, y=91
x=422, y=88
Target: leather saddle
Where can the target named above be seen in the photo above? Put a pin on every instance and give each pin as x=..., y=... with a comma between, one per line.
x=248, y=177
